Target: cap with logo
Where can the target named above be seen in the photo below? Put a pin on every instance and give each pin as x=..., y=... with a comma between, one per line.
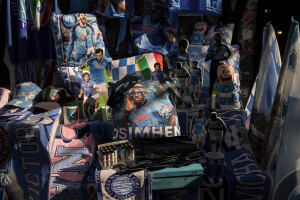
x=26, y=94
x=53, y=98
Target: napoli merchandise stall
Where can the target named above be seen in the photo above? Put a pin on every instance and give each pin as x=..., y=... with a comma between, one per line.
x=142, y=99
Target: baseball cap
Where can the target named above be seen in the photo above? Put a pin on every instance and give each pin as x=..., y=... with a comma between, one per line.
x=53, y=98
x=26, y=94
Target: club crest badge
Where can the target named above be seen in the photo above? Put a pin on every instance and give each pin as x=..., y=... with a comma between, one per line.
x=72, y=114
x=122, y=185
x=54, y=94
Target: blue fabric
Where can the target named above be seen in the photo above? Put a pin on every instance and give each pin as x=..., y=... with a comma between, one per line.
x=226, y=88
x=158, y=75
x=29, y=34
x=111, y=11
x=30, y=147
x=178, y=56
x=198, y=38
x=97, y=70
x=78, y=6
x=211, y=7
x=220, y=55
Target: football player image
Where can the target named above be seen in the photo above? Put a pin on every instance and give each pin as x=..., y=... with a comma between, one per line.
x=149, y=110
x=97, y=67
x=157, y=74
x=195, y=81
x=178, y=55
x=181, y=75
x=87, y=87
x=156, y=29
x=78, y=41
x=198, y=128
x=215, y=127
x=216, y=53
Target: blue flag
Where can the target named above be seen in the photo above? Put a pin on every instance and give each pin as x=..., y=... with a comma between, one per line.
x=267, y=79
x=286, y=185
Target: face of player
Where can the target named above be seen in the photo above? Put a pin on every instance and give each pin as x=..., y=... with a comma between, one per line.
x=182, y=49
x=218, y=38
x=213, y=117
x=86, y=78
x=200, y=113
x=156, y=15
x=156, y=67
x=195, y=64
x=137, y=97
x=99, y=56
x=82, y=18
x=178, y=65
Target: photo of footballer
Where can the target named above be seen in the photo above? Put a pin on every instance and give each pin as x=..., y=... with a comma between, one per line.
x=151, y=113
x=181, y=75
x=198, y=128
x=157, y=74
x=78, y=42
x=195, y=81
x=97, y=67
x=152, y=30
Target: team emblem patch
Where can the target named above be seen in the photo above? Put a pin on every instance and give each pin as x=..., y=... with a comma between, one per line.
x=54, y=94
x=122, y=186
x=72, y=114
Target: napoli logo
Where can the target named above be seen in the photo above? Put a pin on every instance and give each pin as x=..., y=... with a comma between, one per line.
x=68, y=20
x=4, y=145
x=54, y=94
x=122, y=185
x=31, y=12
x=72, y=114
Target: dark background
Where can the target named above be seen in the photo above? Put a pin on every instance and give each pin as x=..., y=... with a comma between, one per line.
x=280, y=16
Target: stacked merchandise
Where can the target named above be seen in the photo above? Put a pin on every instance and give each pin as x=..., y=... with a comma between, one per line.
x=141, y=100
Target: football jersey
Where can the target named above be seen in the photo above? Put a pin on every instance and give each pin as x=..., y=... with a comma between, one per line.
x=88, y=88
x=97, y=70
x=221, y=54
x=195, y=75
x=199, y=123
x=155, y=113
x=158, y=76
x=178, y=56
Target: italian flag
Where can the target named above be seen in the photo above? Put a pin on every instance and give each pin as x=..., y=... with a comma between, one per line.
x=146, y=64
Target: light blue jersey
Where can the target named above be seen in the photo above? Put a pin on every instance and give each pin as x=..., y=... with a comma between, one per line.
x=226, y=88
x=195, y=75
x=155, y=113
x=78, y=37
x=199, y=124
x=89, y=41
x=221, y=54
x=178, y=56
x=88, y=88
x=97, y=70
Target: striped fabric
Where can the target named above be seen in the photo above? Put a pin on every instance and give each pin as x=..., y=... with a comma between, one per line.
x=140, y=65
